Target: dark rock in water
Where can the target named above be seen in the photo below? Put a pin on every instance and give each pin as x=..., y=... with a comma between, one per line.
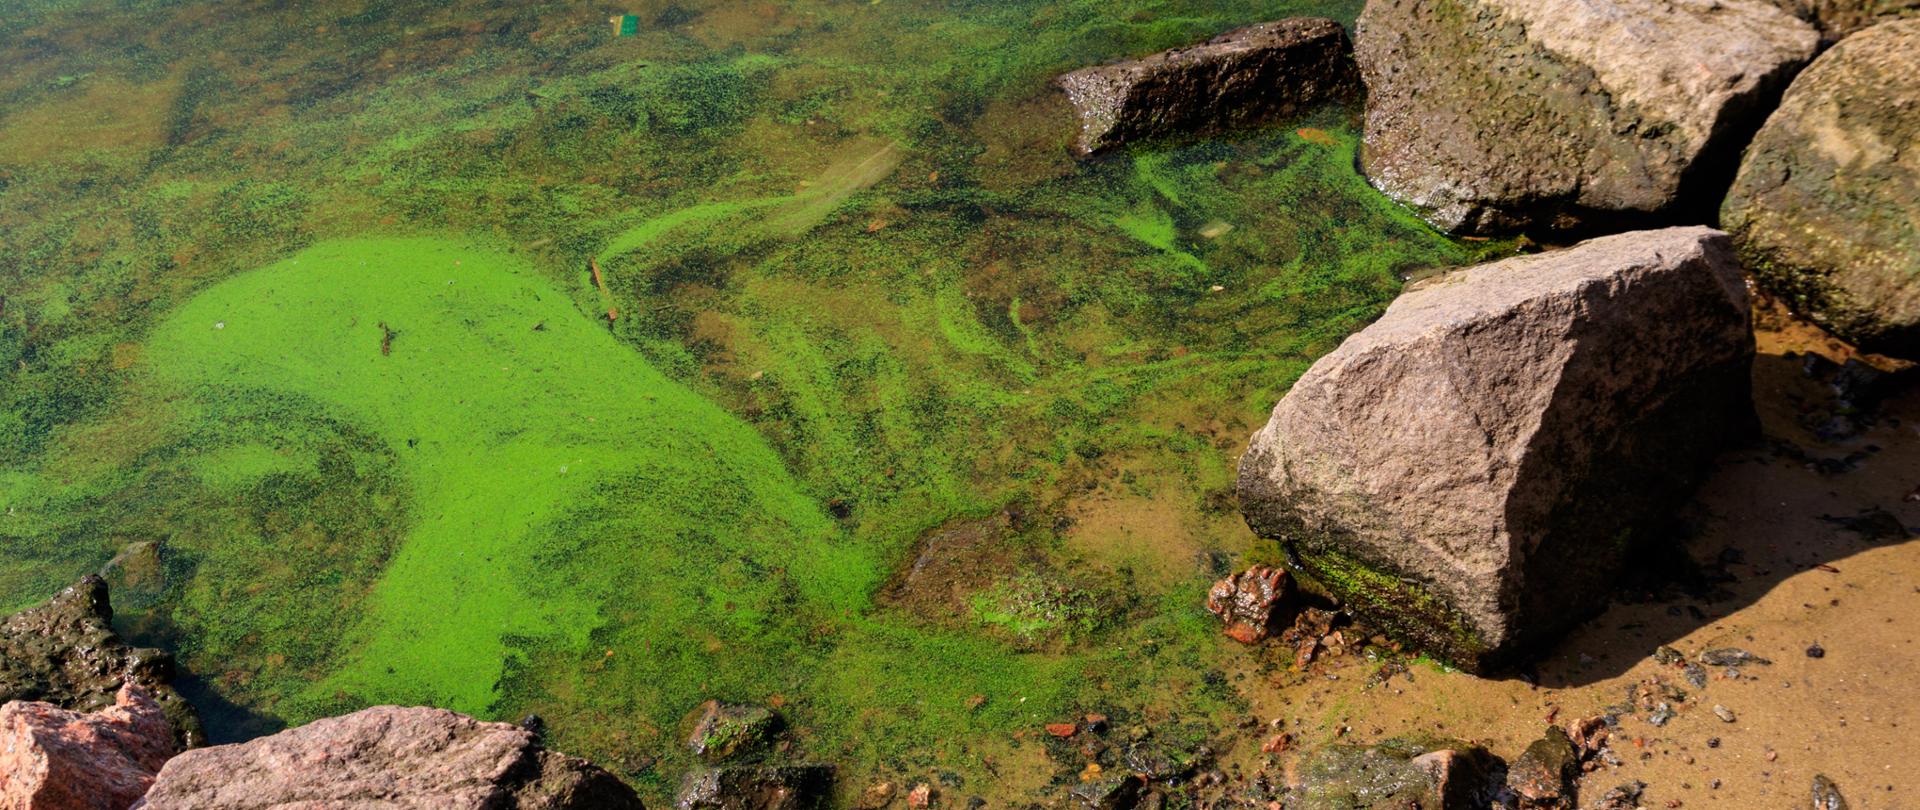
x=1472, y=472
x=1113, y=793
x=758, y=787
x=1826, y=794
x=64, y=652
x=1501, y=115
x=727, y=732
x=388, y=756
x=1242, y=77
x=1429, y=774
x=1543, y=777
x=1624, y=797
x=1249, y=602
x=1822, y=210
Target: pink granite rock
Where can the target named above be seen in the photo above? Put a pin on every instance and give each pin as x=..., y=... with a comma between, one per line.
x=392, y=758
x=55, y=759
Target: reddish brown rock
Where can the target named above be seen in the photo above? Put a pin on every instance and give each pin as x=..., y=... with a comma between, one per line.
x=390, y=757
x=1248, y=602
x=55, y=759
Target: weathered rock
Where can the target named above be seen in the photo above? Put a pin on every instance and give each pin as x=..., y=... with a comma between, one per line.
x=1622, y=797
x=1838, y=18
x=1499, y=115
x=1826, y=794
x=1239, y=78
x=1826, y=208
x=1429, y=774
x=1543, y=777
x=757, y=787
x=55, y=759
x=726, y=732
x=64, y=652
x=1471, y=471
x=1249, y=602
x=388, y=756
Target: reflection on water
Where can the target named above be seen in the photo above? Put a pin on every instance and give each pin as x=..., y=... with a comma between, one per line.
x=302, y=297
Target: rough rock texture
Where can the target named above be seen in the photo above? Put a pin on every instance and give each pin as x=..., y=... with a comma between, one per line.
x=388, y=757
x=1428, y=774
x=724, y=732
x=1471, y=471
x=1498, y=115
x=65, y=652
x=1826, y=208
x=55, y=759
x=1838, y=18
x=1544, y=776
x=1241, y=77
x=1249, y=602
x=1826, y=794
x=757, y=787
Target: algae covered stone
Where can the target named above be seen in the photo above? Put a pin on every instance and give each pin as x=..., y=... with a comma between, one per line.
x=1826, y=208
x=1241, y=77
x=1498, y=115
x=1399, y=773
x=1472, y=470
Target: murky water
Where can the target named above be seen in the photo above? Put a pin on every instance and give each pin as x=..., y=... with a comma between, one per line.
x=474, y=355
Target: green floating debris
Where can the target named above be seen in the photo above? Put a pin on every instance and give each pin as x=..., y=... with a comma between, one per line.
x=625, y=25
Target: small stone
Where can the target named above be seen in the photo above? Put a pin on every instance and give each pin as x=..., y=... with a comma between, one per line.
x=726, y=732
x=1725, y=714
x=876, y=796
x=1062, y=729
x=921, y=797
x=1826, y=794
x=1248, y=602
x=1816, y=651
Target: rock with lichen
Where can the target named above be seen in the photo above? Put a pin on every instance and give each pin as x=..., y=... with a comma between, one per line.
x=1500, y=115
x=1826, y=208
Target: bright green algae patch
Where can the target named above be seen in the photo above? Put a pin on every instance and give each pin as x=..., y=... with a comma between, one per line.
x=509, y=414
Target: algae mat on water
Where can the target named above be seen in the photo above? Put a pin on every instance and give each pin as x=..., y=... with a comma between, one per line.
x=512, y=416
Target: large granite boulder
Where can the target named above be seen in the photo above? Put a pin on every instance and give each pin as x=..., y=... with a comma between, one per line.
x=1472, y=470
x=1499, y=115
x=64, y=652
x=55, y=759
x=1826, y=209
x=388, y=757
x=1242, y=77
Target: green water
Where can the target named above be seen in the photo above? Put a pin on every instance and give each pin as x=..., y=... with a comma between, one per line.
x=302, y=298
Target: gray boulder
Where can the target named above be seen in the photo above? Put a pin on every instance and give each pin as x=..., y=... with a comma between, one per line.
x=1499, y=115
x=1242, y=77
x=1472, y=470
x=388, y=757
x=1395, y=774
x=1826, y=208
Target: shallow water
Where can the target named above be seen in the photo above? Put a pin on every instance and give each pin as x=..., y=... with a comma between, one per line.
x=300, y=307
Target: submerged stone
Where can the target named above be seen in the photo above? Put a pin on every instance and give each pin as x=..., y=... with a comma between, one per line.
x=1500, y=115
x=1824, y=208
x=1826, y=794
x=65, y=652
x=1471, y=472
x=1430, y=774
x=724, y=732
x=1242, y=77
x=757, y=787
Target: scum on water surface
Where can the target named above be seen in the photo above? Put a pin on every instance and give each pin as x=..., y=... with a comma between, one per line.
x=301, y=297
